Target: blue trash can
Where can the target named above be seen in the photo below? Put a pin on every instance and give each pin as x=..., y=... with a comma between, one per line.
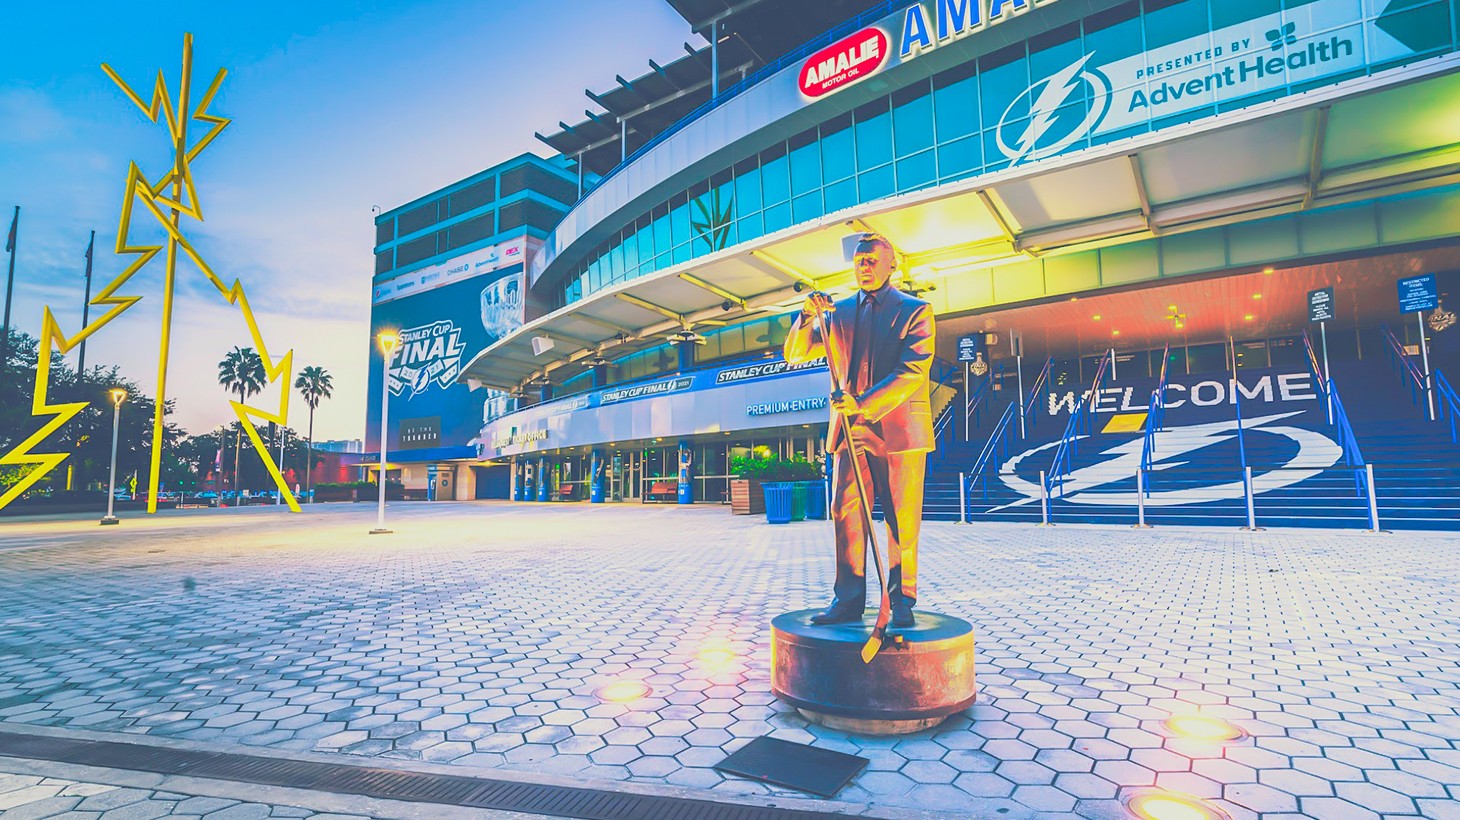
x=816, y=500
x=778, y=495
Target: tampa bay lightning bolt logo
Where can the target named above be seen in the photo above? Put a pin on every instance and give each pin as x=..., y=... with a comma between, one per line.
x=1048, y=117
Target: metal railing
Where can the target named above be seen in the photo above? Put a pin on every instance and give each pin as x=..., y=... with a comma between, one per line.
x=1030, y=406
x=973, y=404
x=997, y=443
x=1155, y=418
x=1081, y=416
x=1337, y=417
x=1449, y=403
x=948, y=373
x=1409, y=372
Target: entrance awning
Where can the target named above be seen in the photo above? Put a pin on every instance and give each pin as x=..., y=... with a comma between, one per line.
x=1369, y=137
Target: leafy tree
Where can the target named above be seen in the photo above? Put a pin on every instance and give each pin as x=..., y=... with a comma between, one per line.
x=241, y=372
x=315, y=385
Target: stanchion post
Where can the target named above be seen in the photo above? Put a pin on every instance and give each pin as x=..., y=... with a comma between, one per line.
x=962, y=500
x=1043, y=500
x=1247, y=491
x=1141, y=499
x=1373, y=499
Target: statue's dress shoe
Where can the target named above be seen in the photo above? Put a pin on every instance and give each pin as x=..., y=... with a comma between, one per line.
x=840, y=612
x=902, y=616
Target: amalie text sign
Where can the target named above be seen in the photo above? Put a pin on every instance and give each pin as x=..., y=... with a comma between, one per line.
x=844, y=62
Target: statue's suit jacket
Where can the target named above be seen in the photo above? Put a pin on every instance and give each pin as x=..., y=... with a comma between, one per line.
x=895, y=406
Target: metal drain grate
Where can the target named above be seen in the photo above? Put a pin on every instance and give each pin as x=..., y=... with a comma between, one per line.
x=387, y=784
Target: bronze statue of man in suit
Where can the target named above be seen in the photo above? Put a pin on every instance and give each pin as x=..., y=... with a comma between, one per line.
x=883, y=352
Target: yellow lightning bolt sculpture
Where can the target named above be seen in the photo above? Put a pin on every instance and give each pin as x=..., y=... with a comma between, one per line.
x=168, y=210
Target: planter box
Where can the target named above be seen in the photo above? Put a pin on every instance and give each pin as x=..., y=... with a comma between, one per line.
x=746, y=497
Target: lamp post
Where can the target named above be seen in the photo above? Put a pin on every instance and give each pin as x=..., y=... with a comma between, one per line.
x=118, y=395
x=388, y=339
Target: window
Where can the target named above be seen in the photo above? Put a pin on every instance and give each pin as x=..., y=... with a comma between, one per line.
x=471, y=230
x=805, y=160
x=419, y=218
x=774, y=177
x=955, y=102
x=838, y=159
x=912, y=120
x=417, y=249
x=382, y=261
x=873, y=135
x=384, y=231
x=747, y=186
x=473, y=196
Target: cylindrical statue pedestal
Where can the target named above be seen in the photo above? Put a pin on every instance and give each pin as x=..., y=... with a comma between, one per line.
x=920, y=677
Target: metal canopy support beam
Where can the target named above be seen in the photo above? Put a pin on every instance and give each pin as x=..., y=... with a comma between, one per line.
x=715, y=289
x=629, y=87
x=727, y=13
x=1145, y=197
x=597, y=99
x=783, y=269
x=623, y=140
x=1000, y=220
x=714, y=59
x=594, y=320
x=650, y=306
x=1315, y=160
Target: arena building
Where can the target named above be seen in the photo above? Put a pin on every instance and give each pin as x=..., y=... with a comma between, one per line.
x=1190, y=260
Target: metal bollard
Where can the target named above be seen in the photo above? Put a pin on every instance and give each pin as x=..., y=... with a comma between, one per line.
x=962, y=500
x=1247, y=491
x=1043, y=500
x=1141, y=499
x=1373, y=500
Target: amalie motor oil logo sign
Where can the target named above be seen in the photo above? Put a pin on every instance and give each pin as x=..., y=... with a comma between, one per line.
x=845, y=62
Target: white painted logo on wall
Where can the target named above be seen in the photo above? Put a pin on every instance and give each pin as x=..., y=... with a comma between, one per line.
x=428, y=355
x=502, y=306
x=1315, y=452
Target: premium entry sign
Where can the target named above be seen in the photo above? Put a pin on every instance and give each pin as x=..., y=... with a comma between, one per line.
x=1418, y=293
x=1320, y=305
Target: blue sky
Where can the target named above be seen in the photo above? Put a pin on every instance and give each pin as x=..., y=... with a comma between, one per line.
x=337, y=107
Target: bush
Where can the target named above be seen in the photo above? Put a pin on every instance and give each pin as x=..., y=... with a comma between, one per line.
x=775, y=468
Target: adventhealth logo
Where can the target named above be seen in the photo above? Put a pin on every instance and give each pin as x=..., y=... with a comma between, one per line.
x=1258, y=70
x=1040, y=122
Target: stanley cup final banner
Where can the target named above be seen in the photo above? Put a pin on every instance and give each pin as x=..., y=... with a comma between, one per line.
x=440, y=329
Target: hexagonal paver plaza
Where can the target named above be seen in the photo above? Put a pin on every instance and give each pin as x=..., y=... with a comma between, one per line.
x=480, y=635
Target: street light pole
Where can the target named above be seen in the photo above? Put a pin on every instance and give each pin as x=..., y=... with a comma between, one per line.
x=118, y=395
x=388, y=340
x=283, y=437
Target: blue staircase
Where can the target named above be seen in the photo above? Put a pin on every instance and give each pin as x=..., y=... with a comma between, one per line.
x=1192, y=438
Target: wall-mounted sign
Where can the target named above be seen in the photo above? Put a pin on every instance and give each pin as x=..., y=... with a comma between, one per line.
x=789, y=406
x=844, y=62
x=513, y=438
x=943, y=21
x=1320, y=305
x=420, y=433
x=755, y=371
x=1418, y=293
x=651, y=389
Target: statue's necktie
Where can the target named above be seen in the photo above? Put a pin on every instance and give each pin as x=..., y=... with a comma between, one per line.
x=862, y=330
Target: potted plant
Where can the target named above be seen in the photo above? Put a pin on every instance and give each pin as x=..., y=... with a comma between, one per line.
x=747, y=494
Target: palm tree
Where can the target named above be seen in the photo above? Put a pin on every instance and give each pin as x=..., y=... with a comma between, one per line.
x=241, y=371
x=314, y=385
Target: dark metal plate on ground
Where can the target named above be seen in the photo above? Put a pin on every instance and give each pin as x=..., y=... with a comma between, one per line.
x=794, y=765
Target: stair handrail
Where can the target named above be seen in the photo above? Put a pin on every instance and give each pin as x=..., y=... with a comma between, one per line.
x=941, y=421
x=984, y=389
x=1039, y=382
x=1155, y=415
x=1449, y=403
x=1064, y=454
x=1400, y=358
x=1001, y=429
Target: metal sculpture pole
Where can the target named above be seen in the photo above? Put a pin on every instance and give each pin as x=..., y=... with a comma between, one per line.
x=884, y=607
x=167, y=200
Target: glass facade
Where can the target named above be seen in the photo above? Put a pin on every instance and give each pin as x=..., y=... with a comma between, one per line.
x=988, y=113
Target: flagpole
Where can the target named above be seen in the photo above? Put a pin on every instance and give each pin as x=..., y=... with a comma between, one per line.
x=10, y=244
x=86, y=308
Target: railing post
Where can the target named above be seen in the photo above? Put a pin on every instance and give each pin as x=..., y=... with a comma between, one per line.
x=962, y=500
x=1247, y=491
x=1141, y=499
x=1373, y=500
x=1043, y=500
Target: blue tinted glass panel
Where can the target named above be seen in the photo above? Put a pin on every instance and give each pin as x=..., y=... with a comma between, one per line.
x=912, y=126
x=750, y=227
x=960, y=157
x=777, y=217
x=679, y=225
x=841, y=195
x=916, y=171
x=875, y=184
x=805, y=169
x=874, y=141
x=646, y=244
x=1048, y=60
x=775, y=181
x=662, y=240
x=837, y=158
x=1000, y=86
x=956, y=110
x=806, y=206
x=747, y=191
x=1175, y=23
